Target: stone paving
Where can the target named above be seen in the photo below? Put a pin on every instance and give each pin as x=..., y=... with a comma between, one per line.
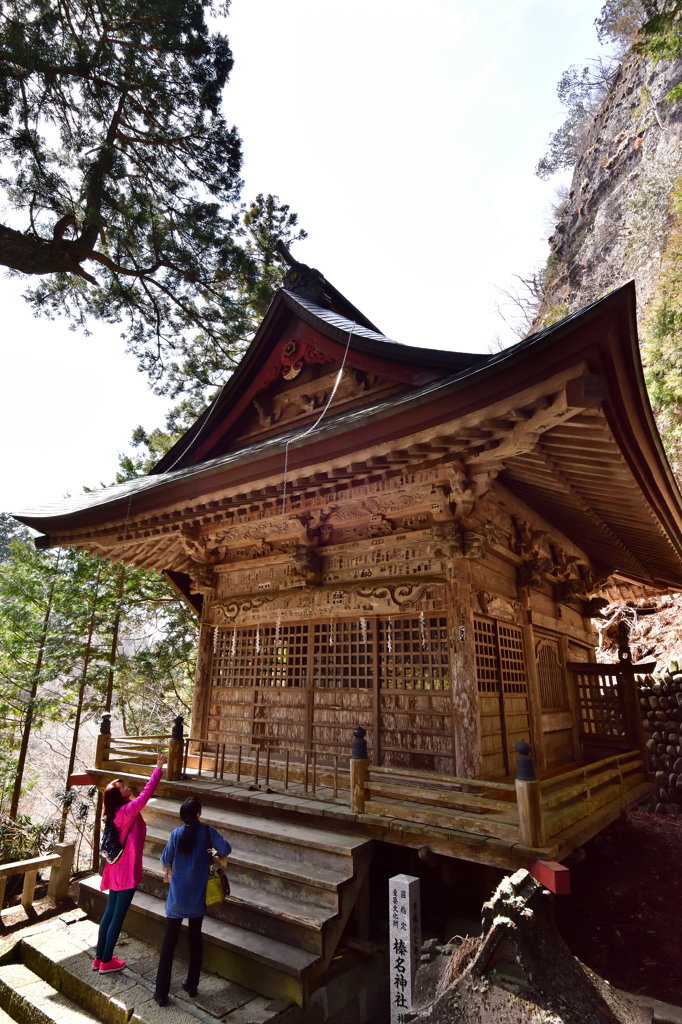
x=55, y=982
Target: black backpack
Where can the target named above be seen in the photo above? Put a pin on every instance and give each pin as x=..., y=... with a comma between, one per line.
x=111, y=848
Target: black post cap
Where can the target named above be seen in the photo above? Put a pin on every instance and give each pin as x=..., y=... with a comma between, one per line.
x=105, y=724
x=359, y=746
x=176, y=732
x=525, y=765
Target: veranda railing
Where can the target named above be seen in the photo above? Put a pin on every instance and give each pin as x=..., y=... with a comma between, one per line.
x=528, y=811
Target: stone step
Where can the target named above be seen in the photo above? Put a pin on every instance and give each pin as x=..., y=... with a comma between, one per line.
x=300, y=924
x=27, y=999
x=117, y=998
x=248, y=833
x=268, y=913
x=308, y=883
x=270, y=967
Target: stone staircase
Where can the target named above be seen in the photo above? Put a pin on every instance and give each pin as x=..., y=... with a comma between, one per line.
x=46, y=977
x=293, y=888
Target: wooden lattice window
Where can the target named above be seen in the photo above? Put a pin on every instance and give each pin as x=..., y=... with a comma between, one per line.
x=551, y=677
x=260, y=656
x=343, y=654
x=499, y=657
x=512, y=663
x=600, y=704
x=487, y=670
x=413, y=653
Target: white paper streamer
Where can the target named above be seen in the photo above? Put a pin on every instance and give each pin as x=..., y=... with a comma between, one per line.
x=277, y=628
x=390, y=638
x=363, y=630
x=258, y=641
x=422, y=626
x=233, y=646
x=215, y=639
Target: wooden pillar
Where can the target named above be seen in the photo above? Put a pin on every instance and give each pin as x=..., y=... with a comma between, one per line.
x=359, y=771
x=533, y=683
x=176, y=750
x=633, y=710
x=528, y=799
x=531, y=824
x=465, y=704
x=202, y=684
x=571, y=698
x=102, y=750
x=101, y=758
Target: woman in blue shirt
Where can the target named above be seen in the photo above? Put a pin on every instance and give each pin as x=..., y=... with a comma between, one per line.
x=187, y=854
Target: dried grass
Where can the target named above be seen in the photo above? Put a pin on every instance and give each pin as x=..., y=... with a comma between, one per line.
x=458, y=962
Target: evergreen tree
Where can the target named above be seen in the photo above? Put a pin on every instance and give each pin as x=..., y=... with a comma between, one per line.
x=121, y=175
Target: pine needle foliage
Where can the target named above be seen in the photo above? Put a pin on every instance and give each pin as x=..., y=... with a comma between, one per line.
x=120, y=174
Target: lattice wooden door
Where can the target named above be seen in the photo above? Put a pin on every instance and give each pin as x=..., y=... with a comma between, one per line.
x=602, y=713
x=502, y=692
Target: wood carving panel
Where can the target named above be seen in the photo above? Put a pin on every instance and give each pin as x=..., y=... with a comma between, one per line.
x=328, y=603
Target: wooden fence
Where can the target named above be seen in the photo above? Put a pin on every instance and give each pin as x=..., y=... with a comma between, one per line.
x=60, y=863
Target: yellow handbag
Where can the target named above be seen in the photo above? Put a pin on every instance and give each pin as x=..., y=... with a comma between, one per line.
x=217, y=885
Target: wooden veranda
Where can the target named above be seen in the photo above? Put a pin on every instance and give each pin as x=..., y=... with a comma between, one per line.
x=507, y=823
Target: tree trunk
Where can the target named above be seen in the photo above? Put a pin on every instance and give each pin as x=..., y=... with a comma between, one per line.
x=79, y=709
x=16, y=792
x=110, y=691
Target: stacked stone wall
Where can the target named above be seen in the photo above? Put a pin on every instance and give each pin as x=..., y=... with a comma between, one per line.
x=660, y=697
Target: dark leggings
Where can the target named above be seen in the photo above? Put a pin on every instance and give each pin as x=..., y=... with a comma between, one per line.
x=196, y=950
x=112, y=922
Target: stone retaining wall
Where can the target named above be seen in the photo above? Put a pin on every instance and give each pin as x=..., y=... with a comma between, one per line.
x=660, y=696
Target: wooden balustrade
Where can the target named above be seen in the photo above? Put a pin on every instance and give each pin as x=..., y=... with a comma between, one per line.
x=265, y=764
x=60, y=863
x=574, y=795
x=527, y=811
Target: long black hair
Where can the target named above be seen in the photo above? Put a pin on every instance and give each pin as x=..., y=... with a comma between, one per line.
x=113, y=799
x=189, y=812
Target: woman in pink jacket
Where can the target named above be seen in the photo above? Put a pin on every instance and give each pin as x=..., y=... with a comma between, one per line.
x=123, y=877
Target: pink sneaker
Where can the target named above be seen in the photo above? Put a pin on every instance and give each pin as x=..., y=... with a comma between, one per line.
x=96, y=964
x=114, y=965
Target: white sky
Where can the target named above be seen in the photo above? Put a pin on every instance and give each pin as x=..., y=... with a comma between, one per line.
x=404, y=135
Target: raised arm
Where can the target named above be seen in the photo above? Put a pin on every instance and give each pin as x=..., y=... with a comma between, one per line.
x=133, y=807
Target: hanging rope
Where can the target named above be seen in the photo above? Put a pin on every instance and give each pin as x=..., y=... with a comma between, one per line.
x=209, y=413
x=310, y=429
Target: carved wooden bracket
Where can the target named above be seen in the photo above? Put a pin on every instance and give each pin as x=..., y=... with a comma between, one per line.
x=202, y=579
x=467, y=487
x=474, y=541
x=305, y=564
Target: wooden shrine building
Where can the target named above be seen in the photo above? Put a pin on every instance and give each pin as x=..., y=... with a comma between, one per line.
x=446, y=529
x=423, y=560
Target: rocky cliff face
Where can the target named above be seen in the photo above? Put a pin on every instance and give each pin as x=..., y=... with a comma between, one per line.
x=615, y=222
